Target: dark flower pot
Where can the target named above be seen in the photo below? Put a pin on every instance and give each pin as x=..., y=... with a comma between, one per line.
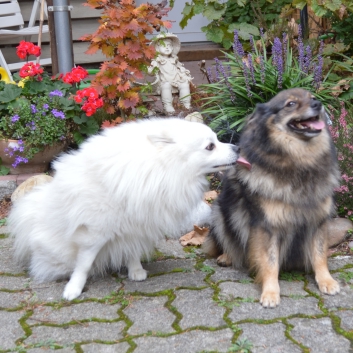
x=38, y=164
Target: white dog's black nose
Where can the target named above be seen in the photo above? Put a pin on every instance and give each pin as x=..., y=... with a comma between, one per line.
x=236, y=148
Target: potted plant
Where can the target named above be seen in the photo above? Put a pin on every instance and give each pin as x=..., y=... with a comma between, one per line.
x=40, y=114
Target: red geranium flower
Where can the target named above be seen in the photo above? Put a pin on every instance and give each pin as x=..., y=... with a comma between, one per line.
x=90, y=98
x=27, y=48
x=76, y=75
x=30, y=69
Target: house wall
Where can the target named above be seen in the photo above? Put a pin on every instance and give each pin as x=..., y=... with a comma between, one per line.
x=85, y=20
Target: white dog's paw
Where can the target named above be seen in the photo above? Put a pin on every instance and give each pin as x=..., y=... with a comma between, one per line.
x=71, y=291
x=138, y=274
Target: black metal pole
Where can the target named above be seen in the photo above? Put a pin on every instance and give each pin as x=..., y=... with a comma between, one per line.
x=304, y=22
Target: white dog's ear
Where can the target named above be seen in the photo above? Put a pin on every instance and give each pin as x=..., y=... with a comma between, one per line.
x=160, y=140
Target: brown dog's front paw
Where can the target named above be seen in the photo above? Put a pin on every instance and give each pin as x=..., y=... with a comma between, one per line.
x=329, y=286
x=224, y=260
x=270, y=299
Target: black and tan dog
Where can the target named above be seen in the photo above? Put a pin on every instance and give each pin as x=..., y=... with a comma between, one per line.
x=274, y=208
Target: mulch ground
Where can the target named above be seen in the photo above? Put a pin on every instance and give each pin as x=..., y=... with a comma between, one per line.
x=5, y=206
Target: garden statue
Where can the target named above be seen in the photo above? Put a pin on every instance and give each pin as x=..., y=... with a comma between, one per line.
x=171, y=74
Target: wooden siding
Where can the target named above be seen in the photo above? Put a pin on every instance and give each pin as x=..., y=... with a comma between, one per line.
x=84, y=21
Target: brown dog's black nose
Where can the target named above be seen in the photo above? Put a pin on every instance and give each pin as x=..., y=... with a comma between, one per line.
x=315, y=104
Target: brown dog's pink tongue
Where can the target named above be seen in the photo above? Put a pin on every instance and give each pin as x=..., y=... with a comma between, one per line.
x=244, y=162
x=315, y=125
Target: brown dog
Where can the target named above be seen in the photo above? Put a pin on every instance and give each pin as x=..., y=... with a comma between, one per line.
x=274, y=208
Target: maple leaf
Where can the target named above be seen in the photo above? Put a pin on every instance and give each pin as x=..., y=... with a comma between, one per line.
x=134, y=46
x=195, y=237
x=110, y=109
x=126, y=2
x=107, y=123
x=131, y=100
x=123, y=87
x=108, y=50
x=134, y=26
x=134, y=56
x=167, y=24
x=92, y=49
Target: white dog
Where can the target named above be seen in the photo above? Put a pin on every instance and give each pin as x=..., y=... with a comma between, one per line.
x=111, y=200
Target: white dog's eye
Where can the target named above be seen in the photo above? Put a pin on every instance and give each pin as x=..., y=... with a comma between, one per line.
x=210, y=147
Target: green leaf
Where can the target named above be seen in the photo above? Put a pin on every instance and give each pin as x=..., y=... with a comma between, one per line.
x=188, y=13
x=3, y=170
x=299, y=4
x=214, y=34
x=244, y=30
x=90, y=128
x=333, y=5
x=78, y=137
x=242, y=3
x=213, y=13
x=319, y=10
x=187, y=9
x=80, y=119
x=10, y=93
x=198, y=8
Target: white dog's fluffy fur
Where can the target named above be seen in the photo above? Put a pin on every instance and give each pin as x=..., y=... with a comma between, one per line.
x=111, y=200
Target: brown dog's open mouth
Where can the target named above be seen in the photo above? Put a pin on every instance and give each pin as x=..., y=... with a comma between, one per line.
x=312, y=125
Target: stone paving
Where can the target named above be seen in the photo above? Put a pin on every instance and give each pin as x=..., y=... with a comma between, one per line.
x=188, y=304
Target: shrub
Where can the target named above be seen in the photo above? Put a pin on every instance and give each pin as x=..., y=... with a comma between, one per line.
x=244, y=79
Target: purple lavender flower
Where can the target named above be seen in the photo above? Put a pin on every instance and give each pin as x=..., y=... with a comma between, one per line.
x=277, y=59
x=33, y=109
x=284, y=43
x=209, y=74
x=252, y=44
x=318, y=68
x=261, y=32
x=222, y=71
x=262, y=69
x=237, y=46
x=251, y=69
x=300, y=49
x=247, y=81
x=56, y=93
x=307, y=59
x=15, y=118
x=58, y=114
x=46, y=106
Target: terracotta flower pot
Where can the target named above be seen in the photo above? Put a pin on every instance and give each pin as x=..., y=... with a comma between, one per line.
x=38, y=164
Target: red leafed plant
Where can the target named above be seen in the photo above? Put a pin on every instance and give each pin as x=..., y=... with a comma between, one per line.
x=121, y=37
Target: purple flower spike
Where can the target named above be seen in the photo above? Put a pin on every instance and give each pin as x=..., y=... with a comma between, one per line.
x=252, y=69
x=300, y=49
x=277, y=59
x=262, y=69
x=220, y=68
x=237, y=46
x=252, y=44
x=247, y=81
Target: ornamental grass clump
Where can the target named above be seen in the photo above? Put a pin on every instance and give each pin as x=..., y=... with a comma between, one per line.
x=244, y=79
x=39, y=110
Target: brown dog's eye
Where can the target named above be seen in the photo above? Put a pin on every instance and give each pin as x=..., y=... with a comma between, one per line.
x=210, y=147
x=291, y=104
